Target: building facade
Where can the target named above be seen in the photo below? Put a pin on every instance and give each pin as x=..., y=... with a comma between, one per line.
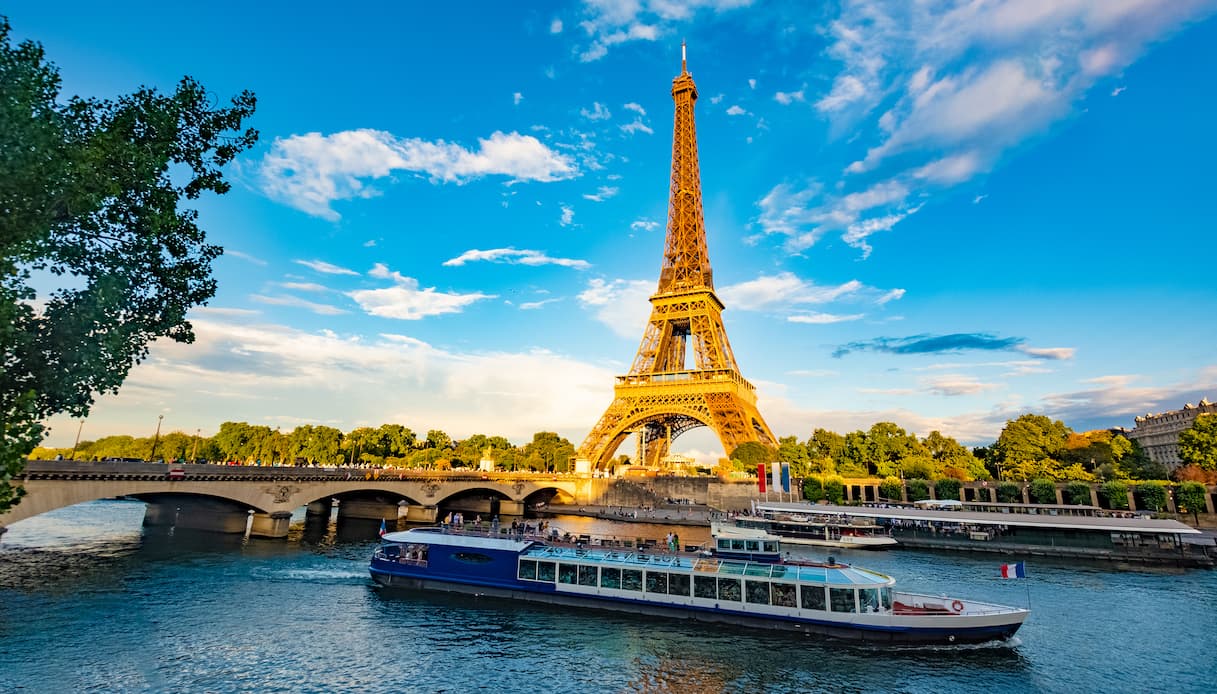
x=1159, y=433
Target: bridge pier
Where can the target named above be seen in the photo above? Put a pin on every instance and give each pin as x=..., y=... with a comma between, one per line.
x=508, y=507
x=421, y=514
x=272, y=525
x=207, y=515
x=367, y=509
x=157, y=515
x=319, y=508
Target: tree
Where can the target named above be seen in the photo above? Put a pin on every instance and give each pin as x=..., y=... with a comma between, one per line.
x=795, y=453
x=891, y=489
x=1198, y=443
x=1009, y=492
x=1153, y=495
x=947, y=489
x=824, y=449
x=548, y=451
x=951, y=457
x=89, y=192
x=1115, y=493
x=1030, y=446
x=749, y=454
x=1190, y=496
x=438, y=439
x=1043, y=491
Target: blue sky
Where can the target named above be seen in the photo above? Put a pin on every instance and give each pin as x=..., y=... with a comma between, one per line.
x=942, y=214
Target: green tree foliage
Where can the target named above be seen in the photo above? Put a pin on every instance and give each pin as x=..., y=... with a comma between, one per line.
x=1078, y=493
x=317, y=444
x=824, y=449
x=947, y=488
x=1190, y=497
x=795, y=453
x=1030, y=447
x=438, y=439
x=954, y=460
x=1198, y=443
x=749, y=454
x=1114, y=494
x=834, y=490
x=548, y=451
x=1042, y=491
x=89, y=192
x=813, y=489
x=1152, y=495
x=892, y=489
x=1009, y=493
x=918, y=489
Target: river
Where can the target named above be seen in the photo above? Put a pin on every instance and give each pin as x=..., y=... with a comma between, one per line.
x=90, y=601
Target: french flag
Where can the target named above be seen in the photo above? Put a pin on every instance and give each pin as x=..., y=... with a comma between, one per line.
x=383, y=531
x=1018, y=570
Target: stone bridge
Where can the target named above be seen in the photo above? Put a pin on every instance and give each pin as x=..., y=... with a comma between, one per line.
x=223, y=498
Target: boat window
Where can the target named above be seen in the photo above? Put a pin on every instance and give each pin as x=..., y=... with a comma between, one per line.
x=528, y=570
x=752, y=545
x=705, y=587
x=758, y=592
x=657, y=582
x=785, y=595
x=587, y=575
x=842, y=600
x=812, y=597
x=737, y=544
x=724, y=544
x=678, y=584
x=631, y=579
x=567, y=573
x=610, y=578
x=868, y=599
x=729, y=589
x=885, y=597
x=545, y=571
x=472, y=558
x=771, y=546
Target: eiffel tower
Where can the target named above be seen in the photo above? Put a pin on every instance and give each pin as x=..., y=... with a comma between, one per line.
x=661, y=397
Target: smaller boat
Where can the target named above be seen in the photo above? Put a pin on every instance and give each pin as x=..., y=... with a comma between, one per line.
x=819, y=529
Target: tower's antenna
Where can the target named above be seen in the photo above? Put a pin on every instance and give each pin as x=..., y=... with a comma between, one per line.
x=683, y=59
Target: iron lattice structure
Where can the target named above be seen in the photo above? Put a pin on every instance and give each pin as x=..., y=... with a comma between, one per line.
x=662, y=397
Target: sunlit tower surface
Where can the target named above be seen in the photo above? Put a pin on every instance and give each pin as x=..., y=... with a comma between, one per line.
x=663, y=396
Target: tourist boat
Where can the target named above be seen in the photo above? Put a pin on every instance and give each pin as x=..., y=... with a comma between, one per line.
x=754, y=587
x=819, y=529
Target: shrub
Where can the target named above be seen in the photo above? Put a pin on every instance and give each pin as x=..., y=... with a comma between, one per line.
x=1078, y=493
x=813, y=489
x=1043, y=491
x=1114, y=494
x=1153, y=496
x=834, y=490
x=947, y=489
x=918, y=489
x=1009, y=493
x=1190, y=497
x=891, y=489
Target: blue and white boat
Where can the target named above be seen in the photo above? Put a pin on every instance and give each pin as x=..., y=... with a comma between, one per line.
x=759, y=589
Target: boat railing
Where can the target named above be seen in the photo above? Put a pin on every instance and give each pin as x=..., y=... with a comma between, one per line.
x=944, y=605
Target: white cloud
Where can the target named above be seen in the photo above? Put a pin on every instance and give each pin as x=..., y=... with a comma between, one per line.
x=790, y=212
x=555, y=27
x=751, y=83
x=622, y=305
x=568, y=216
x=610, y=23
x=846, y=90
x=534, y=305
x=602, y=193
x=644, y=224
x=787, y=98
x=244, y=256
x=370, y=243
x=598, y=112
x=304, y=286
x=785, y=289
x=325, y=268
x=816, y=318
x=297, y=302
x=311, y=171
x=950, y=169
x=956, y=384
x=515, y=257
x=406, y=301
x=735, y=110
x=636, y=108
x=636, y=126
x=1053, y=353
x=1118, y=90
x=717, y=98
x=516, y=98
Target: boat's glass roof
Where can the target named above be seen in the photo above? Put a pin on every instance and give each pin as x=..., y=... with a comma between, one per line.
x=837, y=574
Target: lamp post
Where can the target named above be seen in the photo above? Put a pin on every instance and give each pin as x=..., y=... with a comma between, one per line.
x=194, y=450
x=77, y=444
x=157, y=437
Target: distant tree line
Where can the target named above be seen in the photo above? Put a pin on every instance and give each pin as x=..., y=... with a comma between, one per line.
x=1030, y=447
x=389, y=445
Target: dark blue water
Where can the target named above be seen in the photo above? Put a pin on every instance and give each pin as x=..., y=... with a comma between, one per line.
x=91, y=602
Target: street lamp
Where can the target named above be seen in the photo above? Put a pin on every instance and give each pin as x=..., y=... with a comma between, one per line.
x=194, y=451
x=156, y=439
x=77, y=444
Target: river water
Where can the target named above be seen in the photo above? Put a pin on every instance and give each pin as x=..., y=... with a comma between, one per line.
x=90, y=601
